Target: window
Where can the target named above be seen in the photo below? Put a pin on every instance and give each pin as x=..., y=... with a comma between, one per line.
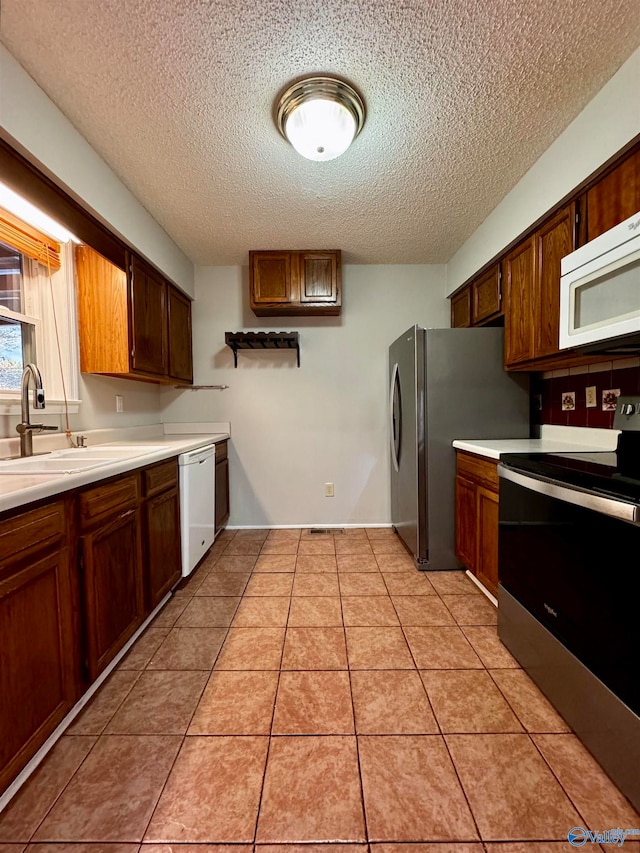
x=17, y=330
x=37, y=305
x=37, y=323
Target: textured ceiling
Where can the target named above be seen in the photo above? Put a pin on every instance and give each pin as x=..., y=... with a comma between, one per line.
x=462, y=97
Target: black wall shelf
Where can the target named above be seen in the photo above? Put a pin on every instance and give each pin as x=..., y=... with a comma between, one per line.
x=262, y=340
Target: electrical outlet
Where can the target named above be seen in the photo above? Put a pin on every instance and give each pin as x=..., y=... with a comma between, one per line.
x=328, y=490
x=119, y=403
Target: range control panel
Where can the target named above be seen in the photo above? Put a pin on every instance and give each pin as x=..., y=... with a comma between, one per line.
x=627, y=416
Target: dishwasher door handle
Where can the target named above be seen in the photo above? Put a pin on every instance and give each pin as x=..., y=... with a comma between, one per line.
x=620, y=510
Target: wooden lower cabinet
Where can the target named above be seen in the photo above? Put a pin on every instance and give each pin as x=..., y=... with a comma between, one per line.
x=112, y=579
x=487, y=538
x=38, y=675
x=163, y=557
x=222, y=486
x=477, y=517
x=78, y=576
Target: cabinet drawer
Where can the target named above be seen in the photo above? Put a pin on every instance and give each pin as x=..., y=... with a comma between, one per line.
x=479, y=469
x=160, y=477
x=221, y=451
x=104, y=500
x=31, y=531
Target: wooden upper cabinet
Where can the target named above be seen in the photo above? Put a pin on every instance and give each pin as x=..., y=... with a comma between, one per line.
x=319, y=277
x=148, y=326
x=303, y=283
x=519, y=273
x=134, y=325
x=103, y=314
x=179, y=335
x=479, y=302
x=270, y=278
x=554, y=240
x=615, y=197
x=461, y=309
x=486, y=296
x=532, y=273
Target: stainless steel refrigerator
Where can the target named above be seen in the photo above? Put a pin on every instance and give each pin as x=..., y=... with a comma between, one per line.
x=444, y=384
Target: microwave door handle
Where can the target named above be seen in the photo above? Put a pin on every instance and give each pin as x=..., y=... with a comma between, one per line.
x=620, y=510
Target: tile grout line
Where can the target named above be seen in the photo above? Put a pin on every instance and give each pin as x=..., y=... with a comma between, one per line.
x=273, y=713
x=355, y=726
x=184, y=736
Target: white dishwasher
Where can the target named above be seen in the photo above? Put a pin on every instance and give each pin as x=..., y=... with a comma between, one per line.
x=197, y=505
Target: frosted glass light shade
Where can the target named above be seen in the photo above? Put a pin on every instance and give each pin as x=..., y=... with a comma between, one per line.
x=320, y=116
x=320, y=129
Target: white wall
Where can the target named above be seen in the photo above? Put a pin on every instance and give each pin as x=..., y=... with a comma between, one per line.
x=606, y=125
x=35, y=126
x=295, y=429
x=32, y=123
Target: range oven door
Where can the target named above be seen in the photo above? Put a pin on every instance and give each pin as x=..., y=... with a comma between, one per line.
x=571, y=559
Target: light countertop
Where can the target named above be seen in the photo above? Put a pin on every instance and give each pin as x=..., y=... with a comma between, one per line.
x=20, y=489
x=497, y=448
x=554, y=439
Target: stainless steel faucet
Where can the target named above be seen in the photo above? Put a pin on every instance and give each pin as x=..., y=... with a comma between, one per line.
x=26, y=428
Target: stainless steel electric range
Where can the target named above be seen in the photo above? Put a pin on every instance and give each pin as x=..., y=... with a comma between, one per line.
x=569, y=595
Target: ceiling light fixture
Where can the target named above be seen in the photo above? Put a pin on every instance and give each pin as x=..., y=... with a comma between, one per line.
x=320, y=116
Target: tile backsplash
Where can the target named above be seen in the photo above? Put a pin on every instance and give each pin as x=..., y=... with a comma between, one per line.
x=567, y=397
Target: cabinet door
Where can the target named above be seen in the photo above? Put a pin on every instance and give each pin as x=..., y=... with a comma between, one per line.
x=319, y=277
x=554, y=240
x=37, y=684
x=270, y=274
x=520, y=276
x=148, y=320
x=487, y=541
x=222, y=494
x=466, y=521
x=461, y=309
x=615, y=197
x=112, y=587
x=103, y=314
x=486, y=297
x=162, y=535
x=179, y=335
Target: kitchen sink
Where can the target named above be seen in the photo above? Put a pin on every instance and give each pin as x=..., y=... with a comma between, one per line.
x=74, y=460
x=51, y=465
x=119, y=452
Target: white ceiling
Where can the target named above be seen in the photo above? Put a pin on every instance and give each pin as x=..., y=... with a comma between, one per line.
x=462, y=96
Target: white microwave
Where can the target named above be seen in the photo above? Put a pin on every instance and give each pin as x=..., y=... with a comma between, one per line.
x=600, y=292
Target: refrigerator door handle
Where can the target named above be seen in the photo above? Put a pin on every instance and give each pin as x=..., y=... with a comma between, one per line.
x=394, y=417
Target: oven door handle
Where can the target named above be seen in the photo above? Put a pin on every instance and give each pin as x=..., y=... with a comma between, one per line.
x=621, y=510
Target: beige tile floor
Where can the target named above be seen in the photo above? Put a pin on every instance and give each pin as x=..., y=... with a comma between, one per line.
x=302, y=689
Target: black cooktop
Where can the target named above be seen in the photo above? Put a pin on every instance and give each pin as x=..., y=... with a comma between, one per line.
x=603, y=473
x=615, y=473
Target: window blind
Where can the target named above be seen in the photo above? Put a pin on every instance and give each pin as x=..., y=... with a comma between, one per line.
x=28, y=240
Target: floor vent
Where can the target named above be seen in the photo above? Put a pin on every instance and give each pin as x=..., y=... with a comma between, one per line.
x=325, y=530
